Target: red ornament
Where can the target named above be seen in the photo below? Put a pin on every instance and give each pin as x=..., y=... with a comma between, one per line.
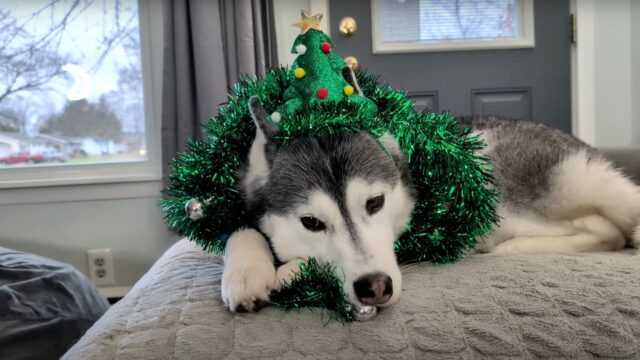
x=325, y=47
x=322, y=93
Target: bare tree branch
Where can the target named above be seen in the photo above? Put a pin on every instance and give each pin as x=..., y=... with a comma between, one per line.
x=31, y=59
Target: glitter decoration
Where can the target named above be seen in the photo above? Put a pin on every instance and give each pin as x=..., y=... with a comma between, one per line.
x=348, y=90
x=299, y=73
x=314, y=286
x=308, y=22
x=325, y=47
x=193, y=208
x=301, y=49
x=276, y=117
x=365, y=313
x=322, y=93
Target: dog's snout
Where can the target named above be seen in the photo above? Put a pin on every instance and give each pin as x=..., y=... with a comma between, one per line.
x=373, y=289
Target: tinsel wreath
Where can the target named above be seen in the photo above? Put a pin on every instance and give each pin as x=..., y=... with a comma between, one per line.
x=455, y=202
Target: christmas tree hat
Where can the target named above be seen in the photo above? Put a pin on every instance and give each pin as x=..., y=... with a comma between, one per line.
x=455, y=203
x=317, y=73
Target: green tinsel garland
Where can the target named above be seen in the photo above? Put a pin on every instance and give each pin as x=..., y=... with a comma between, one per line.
x=454, y=202
x=314, y=286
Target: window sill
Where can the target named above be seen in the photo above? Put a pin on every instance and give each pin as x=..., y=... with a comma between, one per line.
x=442, y=46
x=58, y=175
x=81, y=192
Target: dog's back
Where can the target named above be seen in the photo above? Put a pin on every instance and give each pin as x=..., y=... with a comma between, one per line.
x=558, y=194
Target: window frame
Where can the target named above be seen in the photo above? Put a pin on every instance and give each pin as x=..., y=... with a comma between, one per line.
x=126, y=172
x=527, y=40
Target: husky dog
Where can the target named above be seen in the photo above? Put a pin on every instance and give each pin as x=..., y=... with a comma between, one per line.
x=345, y=199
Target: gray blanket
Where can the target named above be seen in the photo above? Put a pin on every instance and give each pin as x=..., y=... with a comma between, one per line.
x=485, y=306
x=45, y=306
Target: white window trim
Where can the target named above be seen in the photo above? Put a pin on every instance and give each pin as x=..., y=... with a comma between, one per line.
x=526, y=41
x=151, y=35
x=80, y=192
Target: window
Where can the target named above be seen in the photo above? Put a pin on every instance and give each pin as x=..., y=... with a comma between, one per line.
x=450, y=25
x=72, y=91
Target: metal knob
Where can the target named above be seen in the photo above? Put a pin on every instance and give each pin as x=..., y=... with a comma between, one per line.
x=351, y=62
x=348, y=26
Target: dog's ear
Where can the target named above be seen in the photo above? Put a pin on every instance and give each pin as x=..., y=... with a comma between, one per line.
x=262, y=150
x=390, y=144
x=350, y=77
x=261, y=119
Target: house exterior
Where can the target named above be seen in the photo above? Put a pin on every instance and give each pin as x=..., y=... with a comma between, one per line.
x=47, y=142
x=12, y=142
x=93, y=147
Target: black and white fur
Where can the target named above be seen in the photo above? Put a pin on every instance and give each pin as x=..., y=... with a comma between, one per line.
x=558, y=195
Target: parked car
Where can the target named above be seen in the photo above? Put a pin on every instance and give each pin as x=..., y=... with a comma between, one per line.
x=54, y=156
x=21, y=157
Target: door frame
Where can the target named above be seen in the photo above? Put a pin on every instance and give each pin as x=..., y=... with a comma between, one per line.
x=582, y=69
x=604, y=87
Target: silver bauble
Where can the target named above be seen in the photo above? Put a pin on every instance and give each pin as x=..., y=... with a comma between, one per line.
x=365, y=313
x=194, y=210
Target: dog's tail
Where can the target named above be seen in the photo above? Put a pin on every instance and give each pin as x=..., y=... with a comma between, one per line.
x=585, y=183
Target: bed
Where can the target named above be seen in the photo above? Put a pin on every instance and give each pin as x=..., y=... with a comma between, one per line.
x=575, y=306
x=485, y=306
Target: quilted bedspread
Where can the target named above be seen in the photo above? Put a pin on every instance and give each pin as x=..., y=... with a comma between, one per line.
x=485, y=306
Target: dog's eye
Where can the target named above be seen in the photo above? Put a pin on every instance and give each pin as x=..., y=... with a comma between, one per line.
x=312, y=223
x=375, y=203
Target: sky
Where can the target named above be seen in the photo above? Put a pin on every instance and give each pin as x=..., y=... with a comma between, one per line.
x=82, y=40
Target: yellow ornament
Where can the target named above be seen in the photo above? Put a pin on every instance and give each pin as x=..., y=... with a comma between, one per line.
x=348, y=90
x=299, y=73
x=308, y=22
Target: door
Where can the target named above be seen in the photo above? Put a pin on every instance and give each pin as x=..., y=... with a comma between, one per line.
x=531, y=83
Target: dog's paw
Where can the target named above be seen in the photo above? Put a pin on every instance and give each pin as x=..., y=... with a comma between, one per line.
x=249, y=274
x=287, y=271
x=246, y=286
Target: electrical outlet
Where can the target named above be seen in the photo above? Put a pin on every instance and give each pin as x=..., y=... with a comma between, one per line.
x=101, y=270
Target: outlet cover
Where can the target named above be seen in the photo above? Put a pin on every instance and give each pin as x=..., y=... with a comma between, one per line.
x=101, y=270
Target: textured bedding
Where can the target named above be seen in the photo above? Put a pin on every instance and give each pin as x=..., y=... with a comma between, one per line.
x=45, y=306
x=485, y=306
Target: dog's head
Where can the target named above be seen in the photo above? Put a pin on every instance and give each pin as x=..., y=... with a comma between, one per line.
x=342, y=199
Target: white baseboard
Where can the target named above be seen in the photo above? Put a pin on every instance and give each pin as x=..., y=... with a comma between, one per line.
x=114, y=291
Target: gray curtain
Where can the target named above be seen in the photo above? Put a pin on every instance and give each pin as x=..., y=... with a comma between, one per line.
x=208, y=44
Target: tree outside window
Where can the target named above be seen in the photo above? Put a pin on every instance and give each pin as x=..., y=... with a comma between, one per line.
x=71, y=81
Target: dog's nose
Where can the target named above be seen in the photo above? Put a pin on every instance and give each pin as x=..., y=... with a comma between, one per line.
x=373, y=289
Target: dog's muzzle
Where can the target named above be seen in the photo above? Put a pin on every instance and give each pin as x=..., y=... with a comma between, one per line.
x=373, y=289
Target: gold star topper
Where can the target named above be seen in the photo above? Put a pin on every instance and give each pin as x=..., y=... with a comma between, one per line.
x=308, y=22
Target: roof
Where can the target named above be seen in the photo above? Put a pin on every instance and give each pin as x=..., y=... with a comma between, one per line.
x=16, y=136
x=23, y=138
